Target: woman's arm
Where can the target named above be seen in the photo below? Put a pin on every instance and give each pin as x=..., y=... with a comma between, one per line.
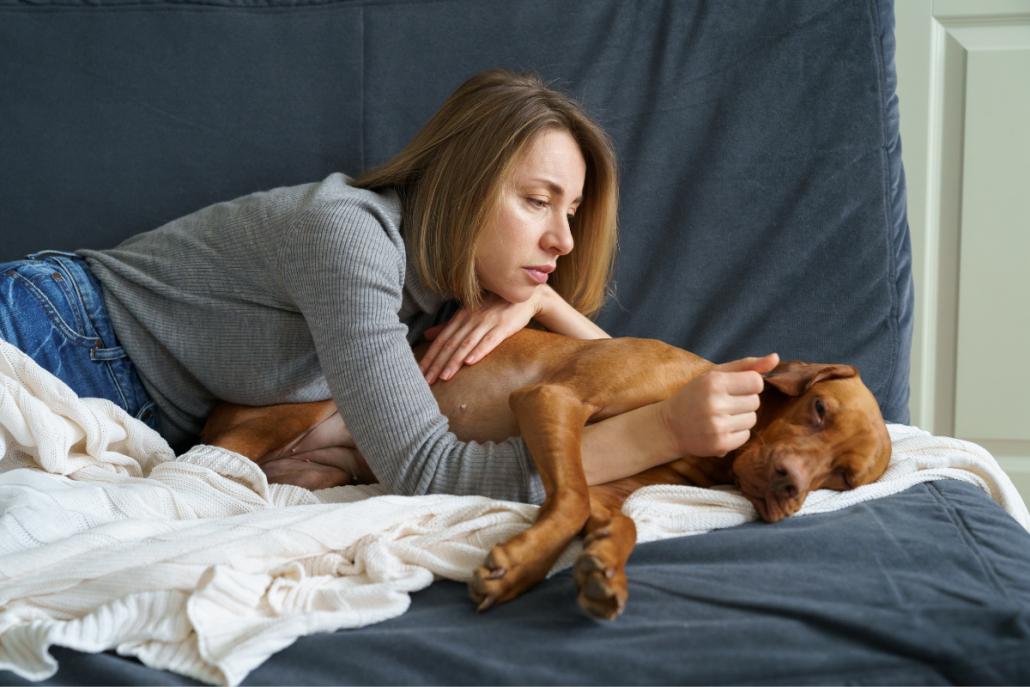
x=472, y=334
x=560, y=317
x=710, y=416
x=342, y=264
x=626, y=444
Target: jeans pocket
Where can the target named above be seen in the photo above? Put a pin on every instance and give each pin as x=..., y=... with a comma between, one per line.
x=47, y=288
x=52, y=309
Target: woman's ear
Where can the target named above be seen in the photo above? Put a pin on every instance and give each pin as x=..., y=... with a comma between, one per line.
x=794, y=377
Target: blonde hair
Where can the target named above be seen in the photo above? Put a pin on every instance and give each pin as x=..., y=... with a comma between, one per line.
x=451, y=174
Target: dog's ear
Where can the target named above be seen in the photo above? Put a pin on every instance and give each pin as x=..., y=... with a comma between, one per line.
x=794, y=377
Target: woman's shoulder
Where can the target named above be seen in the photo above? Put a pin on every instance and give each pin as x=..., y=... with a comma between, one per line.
x=335, y=193
x=339, y=222
x=335, y=210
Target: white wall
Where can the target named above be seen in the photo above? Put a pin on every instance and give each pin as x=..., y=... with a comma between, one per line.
x=964, y=90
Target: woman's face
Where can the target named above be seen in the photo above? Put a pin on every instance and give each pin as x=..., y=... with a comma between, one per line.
x=529, y=229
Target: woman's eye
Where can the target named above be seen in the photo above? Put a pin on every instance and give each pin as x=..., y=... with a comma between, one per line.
x=570, y=218
x=537, y=203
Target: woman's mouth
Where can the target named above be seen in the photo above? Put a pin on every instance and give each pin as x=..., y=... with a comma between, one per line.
x=539, y=276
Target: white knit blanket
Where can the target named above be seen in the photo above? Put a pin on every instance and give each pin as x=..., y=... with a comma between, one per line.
x=196, y=564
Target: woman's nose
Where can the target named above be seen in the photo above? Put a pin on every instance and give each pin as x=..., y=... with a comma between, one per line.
x=559, y=236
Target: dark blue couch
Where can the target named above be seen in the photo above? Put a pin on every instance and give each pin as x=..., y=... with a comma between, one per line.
x=762, y=195
x=762, y=208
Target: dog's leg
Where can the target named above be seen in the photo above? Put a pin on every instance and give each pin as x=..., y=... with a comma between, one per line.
x=257, y=431
x=552, y=418
x=601, y=380
x=305, y=444
x=600, y=571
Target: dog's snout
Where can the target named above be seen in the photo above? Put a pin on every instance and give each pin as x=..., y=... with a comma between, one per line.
x=783, y=483
x=789, y=478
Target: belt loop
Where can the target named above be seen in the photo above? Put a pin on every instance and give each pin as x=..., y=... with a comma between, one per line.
x=112, y=353
x=40, y=254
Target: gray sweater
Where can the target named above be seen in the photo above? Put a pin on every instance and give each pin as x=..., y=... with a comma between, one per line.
x=299, y=294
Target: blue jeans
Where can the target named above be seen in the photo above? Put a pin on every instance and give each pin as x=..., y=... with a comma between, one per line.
x=52, y=308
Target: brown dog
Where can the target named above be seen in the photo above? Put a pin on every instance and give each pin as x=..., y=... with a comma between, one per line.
x=818, y=427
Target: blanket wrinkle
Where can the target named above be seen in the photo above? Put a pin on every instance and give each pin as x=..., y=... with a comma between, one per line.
x=195, y=564
x=65, y=432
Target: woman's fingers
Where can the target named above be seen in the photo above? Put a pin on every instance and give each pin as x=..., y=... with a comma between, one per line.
x=760, y=364
x=739, y=422
x=460, y=355
x=742, y=383
x=743, y=377
x=734, y=440
x=445, y=341
x=715, y=413
x=490, y=340
x=452, y=352
x=736, y=402
x=487, y=338
x=471, y=334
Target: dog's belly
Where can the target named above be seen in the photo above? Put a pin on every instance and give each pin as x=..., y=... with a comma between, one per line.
x=477, y=412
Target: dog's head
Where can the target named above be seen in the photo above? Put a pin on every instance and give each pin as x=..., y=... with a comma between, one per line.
x=819, y=427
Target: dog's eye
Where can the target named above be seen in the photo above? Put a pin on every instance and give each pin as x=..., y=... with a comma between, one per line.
x=819, y=408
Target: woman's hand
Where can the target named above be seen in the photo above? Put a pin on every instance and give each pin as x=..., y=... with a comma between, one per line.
x=714, y=413
x=471, y=334
x=324, y=456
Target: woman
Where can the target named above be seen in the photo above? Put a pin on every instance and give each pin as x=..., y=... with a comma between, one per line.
x=302, y=293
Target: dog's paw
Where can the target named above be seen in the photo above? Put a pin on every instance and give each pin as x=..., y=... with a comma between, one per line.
x=488, y=585
x=602, y=587
x=504, y=576
x=600, y=572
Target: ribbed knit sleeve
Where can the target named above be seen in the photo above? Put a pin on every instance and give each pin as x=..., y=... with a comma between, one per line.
x=344, y=267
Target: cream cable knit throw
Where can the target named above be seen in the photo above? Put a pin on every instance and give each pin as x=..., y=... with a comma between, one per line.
x=196, y=564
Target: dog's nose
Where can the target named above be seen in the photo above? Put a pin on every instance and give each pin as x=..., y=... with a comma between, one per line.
x=789, y=477
x=783, y=483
